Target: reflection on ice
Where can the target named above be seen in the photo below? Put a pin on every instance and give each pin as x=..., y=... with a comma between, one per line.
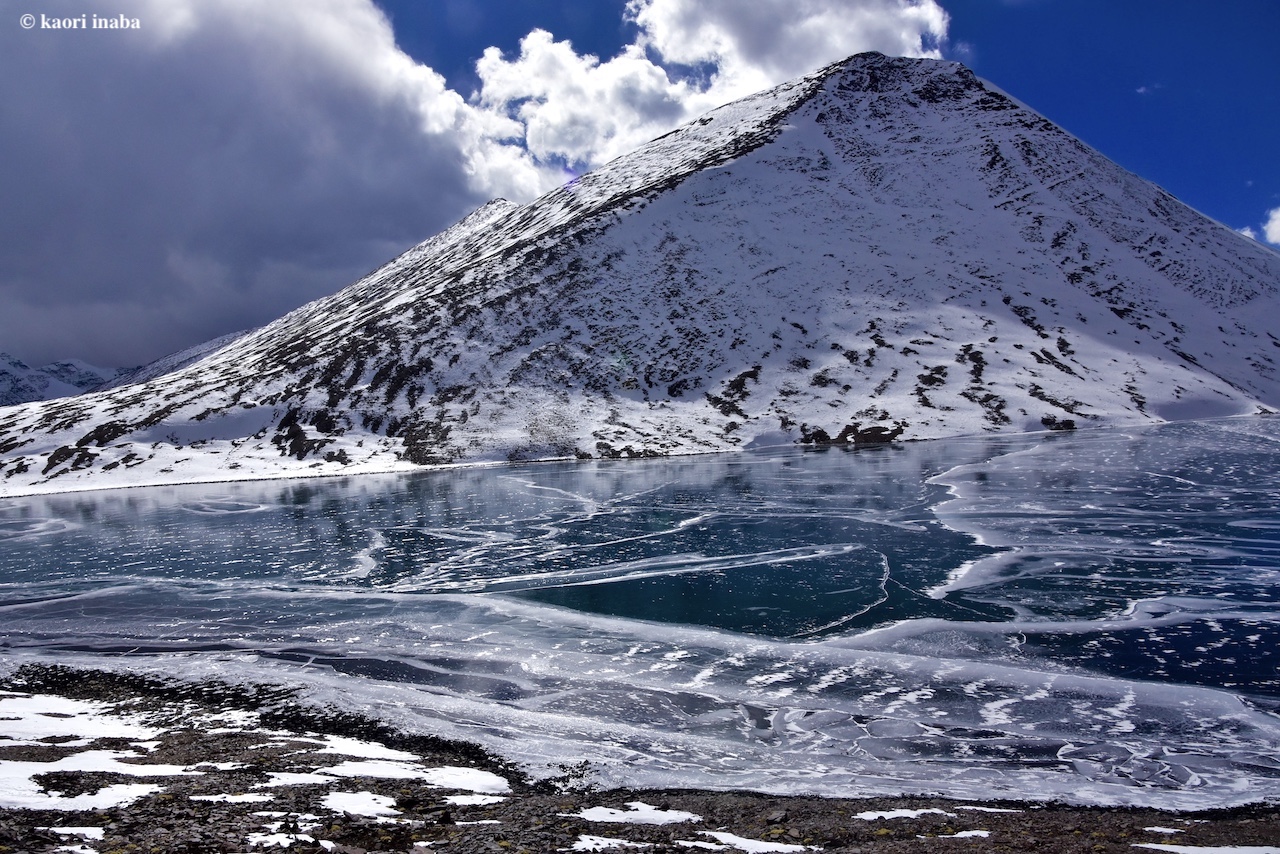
x=222, y=507
x=21, y=528
x=1089, y=617
x=776, y=544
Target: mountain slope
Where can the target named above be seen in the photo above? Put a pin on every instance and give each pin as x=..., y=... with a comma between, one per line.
x=889, y=248
x=170, y=363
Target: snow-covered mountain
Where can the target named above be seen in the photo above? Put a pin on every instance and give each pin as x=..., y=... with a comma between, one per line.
x=21, y=383
x=886, y=249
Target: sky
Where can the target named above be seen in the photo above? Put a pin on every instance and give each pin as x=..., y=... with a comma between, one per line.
x=225, y=161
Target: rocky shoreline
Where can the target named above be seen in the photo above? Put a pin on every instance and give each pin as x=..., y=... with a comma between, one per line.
x=232, y=768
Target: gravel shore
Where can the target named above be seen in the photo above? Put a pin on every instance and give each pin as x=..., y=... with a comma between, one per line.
x=230, y=768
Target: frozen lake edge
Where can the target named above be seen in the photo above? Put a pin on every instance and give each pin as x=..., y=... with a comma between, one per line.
x=545, y=816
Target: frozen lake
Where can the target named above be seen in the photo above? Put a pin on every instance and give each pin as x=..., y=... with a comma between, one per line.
x=1088, y=616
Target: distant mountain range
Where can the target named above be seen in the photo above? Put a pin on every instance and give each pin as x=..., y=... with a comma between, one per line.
x=888, y=249
x=21, y=383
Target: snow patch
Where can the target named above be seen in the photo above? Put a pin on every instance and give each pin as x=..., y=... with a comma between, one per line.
x=754, y=846
x=638, y=812
x=360, y=803
x=601, y=843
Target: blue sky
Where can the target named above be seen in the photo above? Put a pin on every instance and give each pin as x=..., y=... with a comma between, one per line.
x=1184, y=92
x=230, y=159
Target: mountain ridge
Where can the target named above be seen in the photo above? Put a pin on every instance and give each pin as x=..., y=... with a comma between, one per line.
x=885, y=249
x=21, y=383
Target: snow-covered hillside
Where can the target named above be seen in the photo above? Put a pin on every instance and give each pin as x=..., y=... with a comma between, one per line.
x=172, y=362
x=887, y=249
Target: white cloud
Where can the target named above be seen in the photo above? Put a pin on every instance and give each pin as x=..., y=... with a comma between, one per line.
x=765, y=42
x=1249, y=233
x=306, y=52
x=1271, y=228
x=577, y=108
x=690, y=56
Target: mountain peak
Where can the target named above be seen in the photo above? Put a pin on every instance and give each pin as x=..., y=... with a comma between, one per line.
x=886, y=249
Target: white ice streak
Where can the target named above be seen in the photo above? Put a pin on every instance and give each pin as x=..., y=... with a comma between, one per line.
x=444, y=777
x=963, y=834
x=673, y=564
x=364, y=561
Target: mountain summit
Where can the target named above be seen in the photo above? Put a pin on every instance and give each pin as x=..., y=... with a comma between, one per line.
x=886, y=249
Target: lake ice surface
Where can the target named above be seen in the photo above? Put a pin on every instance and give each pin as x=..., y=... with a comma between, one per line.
x=1091, y=617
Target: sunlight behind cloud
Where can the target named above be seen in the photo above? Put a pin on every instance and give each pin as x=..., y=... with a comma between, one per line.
x=767, y=42
x=576, y=108
x=1271, y=229
x=688, y=57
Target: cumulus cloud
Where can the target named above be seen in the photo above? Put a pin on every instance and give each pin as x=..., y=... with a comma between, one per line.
x=576, y=109
x=766, y=41
x=1271, y=228
x=233, y=159
x=689, y=56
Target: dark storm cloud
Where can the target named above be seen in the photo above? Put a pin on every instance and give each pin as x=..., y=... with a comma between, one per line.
x=204, y=174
